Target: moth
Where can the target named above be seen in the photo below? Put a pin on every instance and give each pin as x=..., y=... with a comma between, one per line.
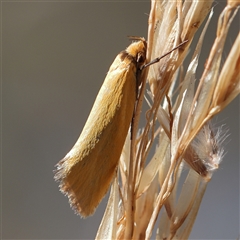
x=86, y=172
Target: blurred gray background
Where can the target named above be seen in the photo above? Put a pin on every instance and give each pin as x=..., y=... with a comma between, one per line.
x=55, y=56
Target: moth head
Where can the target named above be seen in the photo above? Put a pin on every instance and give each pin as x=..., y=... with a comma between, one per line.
x=138, y=50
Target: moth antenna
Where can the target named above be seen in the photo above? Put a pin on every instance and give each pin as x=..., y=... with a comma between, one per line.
x=164, y=55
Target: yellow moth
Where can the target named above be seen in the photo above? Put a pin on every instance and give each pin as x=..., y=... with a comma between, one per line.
x=86, y=172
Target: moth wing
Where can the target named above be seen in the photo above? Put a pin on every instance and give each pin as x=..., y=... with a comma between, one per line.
x=88, y=169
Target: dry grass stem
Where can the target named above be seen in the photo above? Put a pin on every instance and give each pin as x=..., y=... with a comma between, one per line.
x=148, y=191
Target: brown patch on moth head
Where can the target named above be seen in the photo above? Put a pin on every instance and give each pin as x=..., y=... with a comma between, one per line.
x=124, y=54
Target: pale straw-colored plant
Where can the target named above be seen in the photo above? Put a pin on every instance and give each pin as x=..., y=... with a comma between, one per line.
x=147, y=192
